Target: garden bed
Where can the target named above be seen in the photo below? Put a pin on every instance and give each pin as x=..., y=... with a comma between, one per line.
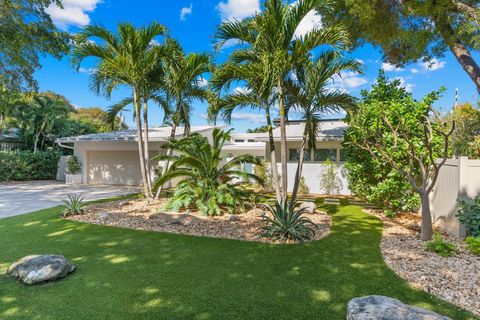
x=139, y=215
x=455, y=279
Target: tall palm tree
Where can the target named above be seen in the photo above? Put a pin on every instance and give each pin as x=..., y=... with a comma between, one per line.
x=126, y=58
x=312, y=96
x=182, y=84
x=271, y=37
x=254, y=96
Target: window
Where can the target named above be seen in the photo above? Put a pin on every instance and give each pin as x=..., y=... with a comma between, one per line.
x=239, y=140
x=343, y=154
x=294, y=155
x=251, y=140
x=325, y=154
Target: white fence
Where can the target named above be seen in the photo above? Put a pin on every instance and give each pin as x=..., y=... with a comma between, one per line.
x=458, y=179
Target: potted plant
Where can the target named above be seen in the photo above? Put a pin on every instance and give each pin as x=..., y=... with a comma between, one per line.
x=74, y=171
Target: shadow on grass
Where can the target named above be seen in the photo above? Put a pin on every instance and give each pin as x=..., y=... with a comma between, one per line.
x=129, y=274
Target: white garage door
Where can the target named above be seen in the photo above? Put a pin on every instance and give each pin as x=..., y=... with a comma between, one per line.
x=114, y=167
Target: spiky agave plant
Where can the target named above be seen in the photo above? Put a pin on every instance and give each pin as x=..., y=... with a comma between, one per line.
x=287, y=222
x=73, y=205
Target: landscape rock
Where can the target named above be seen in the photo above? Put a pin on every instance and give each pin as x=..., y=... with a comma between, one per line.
x=233, y=217
x=310, y=207
x=173, y=218
x=123, y=203
x=40, y=268
x=103, y=215
x=383, y=308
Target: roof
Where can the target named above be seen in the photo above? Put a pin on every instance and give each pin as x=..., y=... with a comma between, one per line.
x=330, y=130
x=156, y=134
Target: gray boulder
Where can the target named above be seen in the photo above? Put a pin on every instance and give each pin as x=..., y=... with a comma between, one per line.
x=173, y=218
x=385, y=308
x=309, y=207
x=40, y=268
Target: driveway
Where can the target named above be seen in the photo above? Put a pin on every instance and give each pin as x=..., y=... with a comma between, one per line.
x=22, y=197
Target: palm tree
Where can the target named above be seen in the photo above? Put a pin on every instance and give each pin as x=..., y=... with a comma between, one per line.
x=181, y=85
x=254, y=96
x=271, y=37
x=127, y=58
x=311, y=95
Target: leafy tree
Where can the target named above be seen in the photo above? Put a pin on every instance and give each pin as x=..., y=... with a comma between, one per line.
x=467, y=129
x=26, y=33
x=271, y=39
x=96, y=119
x=392, y=127
x=411, y=30
x=330, y=182
x=130, y=58
x=205, y=180
x=260, y=129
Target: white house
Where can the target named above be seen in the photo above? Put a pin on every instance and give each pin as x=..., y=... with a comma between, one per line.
x=112, y=158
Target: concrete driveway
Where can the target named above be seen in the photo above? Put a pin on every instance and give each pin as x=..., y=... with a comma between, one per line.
x=22, y=197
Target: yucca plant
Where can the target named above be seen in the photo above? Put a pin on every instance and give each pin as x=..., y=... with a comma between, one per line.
x=287, y=222
x=73, y=205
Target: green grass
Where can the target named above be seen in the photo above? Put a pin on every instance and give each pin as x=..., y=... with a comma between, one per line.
x=126, y=274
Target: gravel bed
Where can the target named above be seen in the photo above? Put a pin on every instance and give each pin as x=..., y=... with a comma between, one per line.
x=139, y=215
x=455, y=279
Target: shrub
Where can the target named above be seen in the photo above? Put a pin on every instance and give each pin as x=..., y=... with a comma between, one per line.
x=440, y=246
x=25, y=165
x=344, y=202
x=261, y=172
x=389, y=213
x=287, y=223
x=319, y=201
x=73, y=205
x=73, y=165
x=330, y=183
x=473, y=245
x=469, y=215
x=302, y=187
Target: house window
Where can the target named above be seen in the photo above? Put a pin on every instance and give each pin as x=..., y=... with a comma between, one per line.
x=251, y=140
x=239, y=140
x=343, y=154
x=325, y=154
x=294, y=155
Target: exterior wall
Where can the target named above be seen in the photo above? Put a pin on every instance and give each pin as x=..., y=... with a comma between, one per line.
x=458, y=179
x=311, y=169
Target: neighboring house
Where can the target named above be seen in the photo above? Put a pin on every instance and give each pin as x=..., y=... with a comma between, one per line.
x=112, y=158
x=10, y=139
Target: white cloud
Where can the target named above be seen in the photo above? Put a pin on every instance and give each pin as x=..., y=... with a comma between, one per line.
x=74, y=12
x=310, y=22
x=348, y=80
x=87, y=70
x=390, y=67
x=185, y=12
x=414, y=70
x=202, y=82
x=433, y=65
x=403, y=83
x=240, y=90
x=238, y=9
x=250, y=117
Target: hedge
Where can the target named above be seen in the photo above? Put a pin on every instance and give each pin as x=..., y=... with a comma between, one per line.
x=25, y=165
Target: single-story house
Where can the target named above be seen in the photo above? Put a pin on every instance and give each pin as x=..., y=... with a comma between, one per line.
x=112, y=158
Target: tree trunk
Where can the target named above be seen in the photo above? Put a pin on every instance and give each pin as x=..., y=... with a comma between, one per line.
x=283, y=141
x=427, y=228
x=461, y=53
x=146, y=148
x=167, y=162
x=141, y=152
x=273, y=157
x=298, y=173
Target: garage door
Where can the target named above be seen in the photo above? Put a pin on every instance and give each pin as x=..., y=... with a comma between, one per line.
x=114, y=167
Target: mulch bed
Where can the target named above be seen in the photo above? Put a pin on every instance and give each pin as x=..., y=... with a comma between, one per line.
x=455, y=279
x=140, y=215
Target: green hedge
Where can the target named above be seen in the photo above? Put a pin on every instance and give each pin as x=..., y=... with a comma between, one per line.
x=25, y=165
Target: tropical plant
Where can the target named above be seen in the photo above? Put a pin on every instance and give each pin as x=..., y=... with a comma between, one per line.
x=28, y=166
x=271, y=39
x=287, y=223
x=467, y=128
x=73, y=205
x=441, y=246
x=405, y=134
x=330, y=182
x=73, y=165
x=130, y=57
x=303, y=188
x=206, y=182
x=473, y=245
x=469, y=215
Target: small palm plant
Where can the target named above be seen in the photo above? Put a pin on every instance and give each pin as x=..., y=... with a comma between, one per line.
x=287, y=223
x=73, y=205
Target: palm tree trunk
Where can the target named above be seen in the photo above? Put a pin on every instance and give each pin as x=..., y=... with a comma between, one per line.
x=166, y=163
x=273, y=156
x=146, y=147
x=141, y=152
x=298, y=173
x=283, y=141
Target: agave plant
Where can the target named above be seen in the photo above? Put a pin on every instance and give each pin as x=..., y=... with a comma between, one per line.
x=287, y=222
x=73, y=205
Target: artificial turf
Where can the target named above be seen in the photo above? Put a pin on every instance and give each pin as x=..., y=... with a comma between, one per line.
x=127, y=274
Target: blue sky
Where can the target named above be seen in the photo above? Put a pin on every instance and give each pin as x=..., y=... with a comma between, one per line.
x=193, y=23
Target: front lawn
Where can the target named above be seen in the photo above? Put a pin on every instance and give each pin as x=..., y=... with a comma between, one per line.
x=127, y=274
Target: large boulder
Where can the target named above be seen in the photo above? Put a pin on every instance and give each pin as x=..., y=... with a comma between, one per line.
x=174, y=218
x=309, y=207
x=40, y=268
x=385, y=308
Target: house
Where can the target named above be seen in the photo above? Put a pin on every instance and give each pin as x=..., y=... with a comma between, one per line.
x=10, y=139
x=112, y=158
